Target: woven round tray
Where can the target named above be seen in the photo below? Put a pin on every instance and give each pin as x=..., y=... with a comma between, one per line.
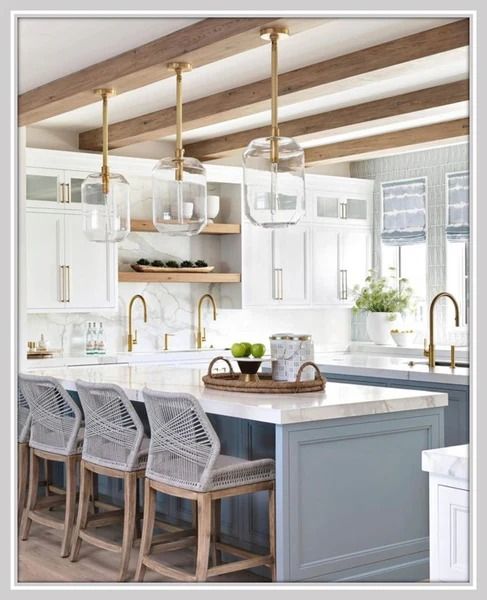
x=264, y=384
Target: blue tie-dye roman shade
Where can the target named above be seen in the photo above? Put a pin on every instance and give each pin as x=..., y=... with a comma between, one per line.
x=457, y=188
x=404, y=212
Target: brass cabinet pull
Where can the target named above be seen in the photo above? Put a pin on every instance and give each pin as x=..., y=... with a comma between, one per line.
x=61, y=195
x=343, y=210
x=61, y=283
x=281, y=285
x=278, y=289
x=68, y=284
x=343, y=284
x=68, y=193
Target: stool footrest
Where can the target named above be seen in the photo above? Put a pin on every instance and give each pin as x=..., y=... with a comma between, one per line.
x=95, y=540
x=168, y=571
x=46, y=520
x=105, y=518
x=240, y=565
x=50, y=501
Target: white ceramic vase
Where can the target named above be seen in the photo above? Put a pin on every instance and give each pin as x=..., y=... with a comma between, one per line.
x=213, y=207
x=379, y=325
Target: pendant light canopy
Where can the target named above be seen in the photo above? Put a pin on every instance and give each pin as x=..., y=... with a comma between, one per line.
x=105, y=196
x=178, y=182
x=273, y=167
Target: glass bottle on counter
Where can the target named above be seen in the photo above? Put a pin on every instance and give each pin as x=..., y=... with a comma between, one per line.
x=90, y=345
x=100, y=340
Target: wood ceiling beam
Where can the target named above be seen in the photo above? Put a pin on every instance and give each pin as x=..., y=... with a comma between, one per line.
x=392, y=106
x=447, y=130
x=300, y=83
x=203, y=42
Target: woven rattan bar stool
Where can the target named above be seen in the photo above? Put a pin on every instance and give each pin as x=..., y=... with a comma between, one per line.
x=56, y=435
x=185, y=461
x=23, y=436
x=115, y=446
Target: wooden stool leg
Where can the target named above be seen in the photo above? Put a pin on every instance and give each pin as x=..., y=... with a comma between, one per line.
x=272, y=530
x=216, y=555
x=23, y=478
x=148, y=528
x=129, y=493
x=204, y=533
x=32, y=495
x=138, y=514
x=47, y=479
x=70, y=468
x=94, y=491
x=85, y=490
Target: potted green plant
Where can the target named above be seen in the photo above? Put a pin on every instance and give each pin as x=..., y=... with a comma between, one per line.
x=383, y=300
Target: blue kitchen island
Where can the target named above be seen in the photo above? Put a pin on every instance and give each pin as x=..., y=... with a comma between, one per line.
x=351, y=498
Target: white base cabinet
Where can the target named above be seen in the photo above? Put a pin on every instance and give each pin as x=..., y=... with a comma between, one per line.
x=449, y=512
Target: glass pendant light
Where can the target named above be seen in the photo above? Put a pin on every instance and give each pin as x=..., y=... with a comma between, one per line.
x=179, y=183
x=105, y=196
x=273, y=167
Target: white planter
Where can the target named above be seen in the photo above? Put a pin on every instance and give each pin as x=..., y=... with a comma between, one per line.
x=379, y=325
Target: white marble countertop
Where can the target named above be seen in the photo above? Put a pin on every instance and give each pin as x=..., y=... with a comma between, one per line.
x=361, y=364
x=451, y=461
x=338, y=400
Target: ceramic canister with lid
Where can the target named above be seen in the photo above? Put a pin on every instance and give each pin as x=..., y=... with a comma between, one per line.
x=288, y=352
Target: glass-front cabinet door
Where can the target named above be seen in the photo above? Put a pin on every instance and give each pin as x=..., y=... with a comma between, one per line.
x=44, y=188
x=340, y=208
x=72, y=187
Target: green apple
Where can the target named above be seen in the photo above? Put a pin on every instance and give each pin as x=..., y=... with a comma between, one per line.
x=258, y=350
x=238, y=350
x=248, y=348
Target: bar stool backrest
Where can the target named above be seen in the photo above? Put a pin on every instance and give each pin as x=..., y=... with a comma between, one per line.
x=184, y=445
x=23, y=418
x=113, y=429
x=56, y=418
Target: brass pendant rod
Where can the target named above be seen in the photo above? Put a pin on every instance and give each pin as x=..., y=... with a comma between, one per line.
x=104, y=169
x=179, y=124
x=275, y=84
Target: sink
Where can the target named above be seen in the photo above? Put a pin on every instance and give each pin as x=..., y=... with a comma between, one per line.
x=440, y=363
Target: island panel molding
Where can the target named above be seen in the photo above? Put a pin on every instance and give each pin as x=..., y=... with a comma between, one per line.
x=303, y=83
x=440, y=95
x=203, y=42
x=455, y=130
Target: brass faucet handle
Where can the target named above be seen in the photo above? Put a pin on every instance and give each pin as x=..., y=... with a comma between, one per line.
x=203, y=335
x=426, y=348
x=452, y=357
x=134, y=337
x=166, y=340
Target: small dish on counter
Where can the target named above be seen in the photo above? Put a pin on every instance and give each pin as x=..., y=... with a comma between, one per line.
x=403, y=337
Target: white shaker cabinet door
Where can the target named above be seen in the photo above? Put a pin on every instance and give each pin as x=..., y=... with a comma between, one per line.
x=354, y=262
x=453, y=526
x=257, y=271
x=291, y=264
x=324, y=277
x=44, y=235
x=90, y=268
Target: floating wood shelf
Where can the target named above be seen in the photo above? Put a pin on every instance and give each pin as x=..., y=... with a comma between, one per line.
x=133, y=277
x=211, y=228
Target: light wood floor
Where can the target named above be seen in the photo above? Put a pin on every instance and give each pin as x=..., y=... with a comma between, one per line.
x=39, y=561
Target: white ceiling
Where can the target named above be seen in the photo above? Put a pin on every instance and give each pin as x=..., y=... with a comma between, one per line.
x=85, y=41
x=62, y=46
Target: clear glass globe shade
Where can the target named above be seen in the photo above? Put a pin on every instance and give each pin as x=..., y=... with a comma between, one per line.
x=274, y=193
x=106, y=217
x=179, y=206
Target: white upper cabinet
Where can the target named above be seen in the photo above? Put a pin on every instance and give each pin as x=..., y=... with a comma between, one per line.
x=44, y=187
x=90, y=268
x=339, y=200
x=324, y=258
x=354, y=262
x=276, y=266
x=44, y=260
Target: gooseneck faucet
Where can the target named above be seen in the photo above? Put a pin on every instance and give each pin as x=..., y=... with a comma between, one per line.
x=201, y=332
x=132, y=339
x=430, y=351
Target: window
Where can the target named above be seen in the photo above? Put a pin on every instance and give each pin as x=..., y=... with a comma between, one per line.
x=404, y=236
x=457, y=236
